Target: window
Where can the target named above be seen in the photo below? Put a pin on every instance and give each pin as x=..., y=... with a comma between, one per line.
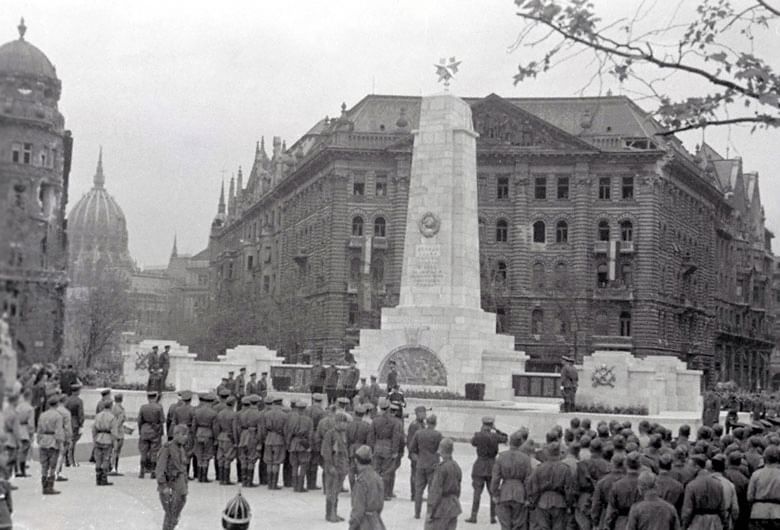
x=352, y=317
x=43, y=157
x=381, y=184
x=502, y=188
x=380, y=227
x=266, y=284
x=540, y=188
x=19, y=196
x=563, y=188
x=626, y=231
x=537, y=321
x=601, y=324
x=378, y=273
x=537, y=276
x=627, y=274
x=602, y=275
x=230, y=271
x=354, y=271
x=603, y=231
x=502, y=231
x=605, y=183
x=561, y=275
x=501, y=272
x=16, y=153
x=249, y=262
x=357, y=226
x=562, y=232
x=628, y=188
x=540, y=235
x=625, y=324
x=359, y=185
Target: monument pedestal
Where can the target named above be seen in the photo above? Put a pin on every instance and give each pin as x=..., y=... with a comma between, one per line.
x=438, y=335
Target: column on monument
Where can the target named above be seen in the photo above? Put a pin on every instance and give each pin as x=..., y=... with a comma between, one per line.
x=519, y=265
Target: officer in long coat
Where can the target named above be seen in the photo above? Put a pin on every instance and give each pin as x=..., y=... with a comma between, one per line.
x=226, y=434
x=102, y=429
x=507, y=485
x=272, y=438
x=316, y=413
x=151, y=421
x=551, y=490
x=367, y=494
x=182, y=415
x=444, y=493
x=385, y=441
x=486, y=442
x=416, y=424
x=203, y=425
x=335, y=464
x=299, y=439
x=76, y=407
x=423, y=450
x=50, y=438
x=248, y=424
x=568, y=383
x=357, y=436
x=171, y=471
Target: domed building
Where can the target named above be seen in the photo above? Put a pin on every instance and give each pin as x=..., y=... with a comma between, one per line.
x=97, y=233
x=35, y=153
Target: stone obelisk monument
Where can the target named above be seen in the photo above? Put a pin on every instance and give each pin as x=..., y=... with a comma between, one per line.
x=438, y=335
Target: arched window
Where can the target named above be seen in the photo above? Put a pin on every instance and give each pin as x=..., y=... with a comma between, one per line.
x=625, y=324
x=354, y=270
x=501, y=272
x=603, y=231
x=537, y=279
x=626, y=231
x=561, y=275
x=602, y=275
x=537, y=321
x=562, y=232
x=600, y=324
x=502, y=231
x=626, y=272
x=379, y=227
x=540, y=233
x=357, y=226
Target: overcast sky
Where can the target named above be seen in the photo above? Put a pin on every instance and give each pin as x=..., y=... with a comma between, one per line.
x=177, y=93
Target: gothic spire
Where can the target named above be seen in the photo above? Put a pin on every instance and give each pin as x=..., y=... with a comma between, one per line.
x=221, y=206
x=174, y=252
x=99, y=180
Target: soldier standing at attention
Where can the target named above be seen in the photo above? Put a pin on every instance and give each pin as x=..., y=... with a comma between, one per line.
x=118, y=410
x=444, y=493
x=50, y=438
x=335, y=464
x=624, y=494
x=486, y=442
x=169, y=423
x=392, y=377
x=417, y=424
x=102, y=428
x=67, y=428
x=76, y=407
x=151, y=420
x=349, y=380
x=367, y=494
x=568, y=383
x=226, y=434
x=316, y=413
x=507, y=485
x=331, y=383
x=251, y=386
x=182, y=415
x=203, y=425
x=357, y=436
x=317, y=376
x=105, y=399
x=272, y=438
x=164, y=362
x=299, y=438
x=262, y=385
x=153, y=365
x=385, y=440
x=11, y=434
x=26, y=414
x=248, y=421
x=171, y=470
x=231, y=383
x=240, y=387
x=424, y=447
x=711, y=412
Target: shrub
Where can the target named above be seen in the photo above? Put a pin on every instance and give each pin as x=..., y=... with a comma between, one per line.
x=433, y=394
x=605, y=409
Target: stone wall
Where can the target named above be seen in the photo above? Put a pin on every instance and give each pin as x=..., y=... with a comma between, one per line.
x=188, y=373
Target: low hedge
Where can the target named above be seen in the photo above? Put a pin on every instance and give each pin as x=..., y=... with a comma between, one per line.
x=605, y=409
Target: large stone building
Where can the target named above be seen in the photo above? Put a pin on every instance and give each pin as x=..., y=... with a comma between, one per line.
x=35, y=155
x=595, y=232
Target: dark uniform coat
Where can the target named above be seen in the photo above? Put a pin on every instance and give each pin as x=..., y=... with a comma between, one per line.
x=703, y=506
x=653, y=513
x=368, y=499
x=444, y=495
x=486, y=443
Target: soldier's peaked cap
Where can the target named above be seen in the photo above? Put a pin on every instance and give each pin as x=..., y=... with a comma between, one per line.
x=343, y=401
x=151, y=393
x=567, y=359
x=269, y=400
x=254, y=399
x=185, y=395
x=105, y=392
x=54, y=399
x=75, y=386
x=246, y=400
x=224, y=392
x=318, y=397
x=488, y=420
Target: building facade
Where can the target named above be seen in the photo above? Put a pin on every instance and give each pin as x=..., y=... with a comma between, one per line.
x=35, y=155
x=596, y=232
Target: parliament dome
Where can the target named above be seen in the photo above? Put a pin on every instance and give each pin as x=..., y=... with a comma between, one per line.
x=22, y=58
x=97, y=229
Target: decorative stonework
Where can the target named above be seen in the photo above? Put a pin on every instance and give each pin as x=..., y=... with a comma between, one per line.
x=416, y=365
x=603, y=376
x=429, y=224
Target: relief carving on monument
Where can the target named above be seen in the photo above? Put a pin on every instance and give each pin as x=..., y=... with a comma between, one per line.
x=429, y=224
x=416, y=365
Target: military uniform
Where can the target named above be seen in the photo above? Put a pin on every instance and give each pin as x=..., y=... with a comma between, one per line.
x=349, y=381
x=272, y=438
x=335, y=466
x=226, y=434
x=240, y=389
x=50, y=437
x=598, y=508
x=414, y=426
x=248, y=422
x=423, y=448
x=568, y=385
x=183, y=414
x=385, y=440
x=299, y=439
x=164, y=363
x=703, y=506
x=317, y=379
x=102, y=435
x=486, y=443
x=507, y=486
x=76, y=407
x=171, y=470
x=444, y=497
x=11, y=435
x=622, y=496
x=151, y=421
x=367, y=495
x=551, y=490
x=118, y=410
x=670, y=490
x=203, y=427
x=26, y=414
x=67, y=428
x=316, y=413
x=652, y=513
x=589, y=472
x=331, y=383
x=252, y=387
x=357, y=435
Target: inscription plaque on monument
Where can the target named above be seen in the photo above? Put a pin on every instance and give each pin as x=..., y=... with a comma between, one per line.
x=426, y=271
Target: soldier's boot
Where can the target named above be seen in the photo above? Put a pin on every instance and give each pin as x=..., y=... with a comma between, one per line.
x=23, y=469
x=206, y=474
x=311, y=478
x=272, y=478
x=492, y=511
x=44, y=485
x=294, y=480
x=226, y=474
x=329, y=512
x=142, y=471
x=98, y=479
x=104, y=478
x=474, y=508
x=50, y=487
x=336, y=510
